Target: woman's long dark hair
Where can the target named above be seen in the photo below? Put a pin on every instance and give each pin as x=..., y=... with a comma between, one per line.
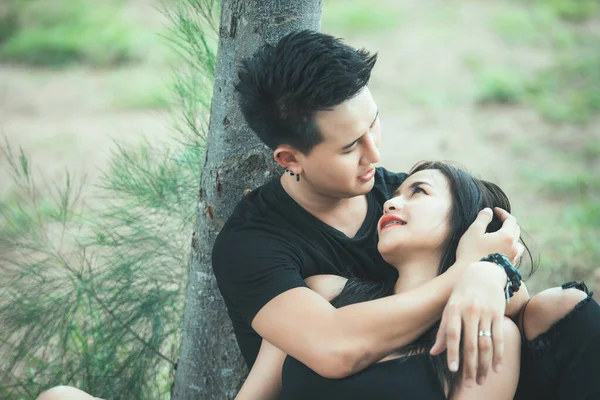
x=469, y=196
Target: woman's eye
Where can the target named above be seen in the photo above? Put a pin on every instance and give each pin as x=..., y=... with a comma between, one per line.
x=418, y=189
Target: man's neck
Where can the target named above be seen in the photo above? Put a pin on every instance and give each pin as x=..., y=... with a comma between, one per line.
x=343, y=214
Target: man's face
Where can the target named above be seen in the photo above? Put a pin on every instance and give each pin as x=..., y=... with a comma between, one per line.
x=343, y=164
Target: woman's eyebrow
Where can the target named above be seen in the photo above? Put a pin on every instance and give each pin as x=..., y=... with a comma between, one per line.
x=412, y=186
x=417, y=183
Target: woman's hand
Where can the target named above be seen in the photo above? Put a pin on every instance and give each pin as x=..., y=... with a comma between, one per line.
x=476, y=305
x=476, y=243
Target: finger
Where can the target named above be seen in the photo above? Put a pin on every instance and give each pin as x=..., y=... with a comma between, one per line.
x=485, y=348
x=484, y=217
x=509, y=222
x=498, y=342
x=502, y=214
x=470, y=348
x=453, y=331
x=440, y=339
x=520, y=251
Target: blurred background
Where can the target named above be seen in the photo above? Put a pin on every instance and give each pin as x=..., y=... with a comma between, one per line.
x=510, y=89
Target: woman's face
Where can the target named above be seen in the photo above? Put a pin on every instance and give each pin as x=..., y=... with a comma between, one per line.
x=416, y=218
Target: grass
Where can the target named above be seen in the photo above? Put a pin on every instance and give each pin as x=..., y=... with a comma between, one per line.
x=574, y=238
x=345, y=17
x=568, y=228
x=94, y=297
x=568, y=91
x=90, y=292
x=140, y=89
x=63, y=32
x=499, y=85
x=534, y=25
x=573, y=10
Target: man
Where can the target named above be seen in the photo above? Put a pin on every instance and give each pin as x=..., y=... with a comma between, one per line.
x=307, y=99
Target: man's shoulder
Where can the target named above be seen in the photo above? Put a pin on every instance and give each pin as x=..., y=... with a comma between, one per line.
x=257, y=217
x=386, y=182
x=256, y=205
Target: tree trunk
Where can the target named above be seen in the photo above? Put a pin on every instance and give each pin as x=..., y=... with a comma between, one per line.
x=210, y=364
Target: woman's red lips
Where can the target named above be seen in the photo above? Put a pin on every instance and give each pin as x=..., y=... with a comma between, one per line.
x=390, y=220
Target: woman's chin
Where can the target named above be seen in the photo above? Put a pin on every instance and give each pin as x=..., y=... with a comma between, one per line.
x=387, y=251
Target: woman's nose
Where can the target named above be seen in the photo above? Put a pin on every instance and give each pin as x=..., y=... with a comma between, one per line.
x=390, y=205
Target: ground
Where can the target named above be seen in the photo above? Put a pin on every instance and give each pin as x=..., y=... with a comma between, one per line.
x=436, y=61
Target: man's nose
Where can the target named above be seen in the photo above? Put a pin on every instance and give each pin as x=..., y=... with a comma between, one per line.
x=371, y=151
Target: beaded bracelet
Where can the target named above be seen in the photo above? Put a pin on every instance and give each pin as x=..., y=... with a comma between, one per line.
x=513, y=282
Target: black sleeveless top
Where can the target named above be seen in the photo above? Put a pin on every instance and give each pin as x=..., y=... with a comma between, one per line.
x=410, y=378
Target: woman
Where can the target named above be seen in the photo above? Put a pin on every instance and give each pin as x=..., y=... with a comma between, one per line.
x=418, y=234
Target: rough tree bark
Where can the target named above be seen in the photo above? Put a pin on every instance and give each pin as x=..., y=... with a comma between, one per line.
x=210, y=365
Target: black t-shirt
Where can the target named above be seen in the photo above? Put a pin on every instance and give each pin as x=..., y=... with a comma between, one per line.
x=410, y=378
x=270, y=244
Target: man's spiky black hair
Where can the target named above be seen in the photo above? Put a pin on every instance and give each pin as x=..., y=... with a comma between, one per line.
x=282, y=86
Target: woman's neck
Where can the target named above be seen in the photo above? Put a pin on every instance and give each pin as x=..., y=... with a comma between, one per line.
x=416, y=271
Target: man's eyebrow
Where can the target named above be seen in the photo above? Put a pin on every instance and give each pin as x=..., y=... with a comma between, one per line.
x=374, y=119
x=361, y=136
x=352, y=144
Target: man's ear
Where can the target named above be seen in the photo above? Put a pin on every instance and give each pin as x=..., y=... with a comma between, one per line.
x=287, y=157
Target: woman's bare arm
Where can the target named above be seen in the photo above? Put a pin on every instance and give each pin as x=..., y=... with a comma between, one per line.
x=264, y=380
x=517, y=302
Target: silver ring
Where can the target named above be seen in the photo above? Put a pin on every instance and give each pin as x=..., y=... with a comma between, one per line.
x=485, y=333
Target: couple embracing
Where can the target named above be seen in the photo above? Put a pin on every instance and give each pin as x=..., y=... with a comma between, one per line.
x=344, y=280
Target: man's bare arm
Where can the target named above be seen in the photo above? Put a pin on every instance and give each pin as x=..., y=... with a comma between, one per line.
x=339, y=342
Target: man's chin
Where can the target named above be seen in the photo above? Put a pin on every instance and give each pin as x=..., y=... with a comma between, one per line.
x=365, y=187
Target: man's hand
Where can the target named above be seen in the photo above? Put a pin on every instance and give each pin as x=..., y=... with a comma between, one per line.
x=477, y=302
x=476, y=243
x=476, y=305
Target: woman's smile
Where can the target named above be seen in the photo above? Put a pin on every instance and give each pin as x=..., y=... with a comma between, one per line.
x=390, y=220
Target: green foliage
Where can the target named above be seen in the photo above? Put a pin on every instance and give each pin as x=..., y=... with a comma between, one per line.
x=358, y=17
x=60, y=32
x=571, y=239
x=574, y=10
x=141, y=90
x=536, y=25
x=93, y=297
x=499, y=86
x=570, y=184
x=569, y=90
x=8, y=19
x=577, y=236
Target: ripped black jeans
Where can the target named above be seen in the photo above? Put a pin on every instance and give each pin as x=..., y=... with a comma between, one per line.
x=564, y=362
